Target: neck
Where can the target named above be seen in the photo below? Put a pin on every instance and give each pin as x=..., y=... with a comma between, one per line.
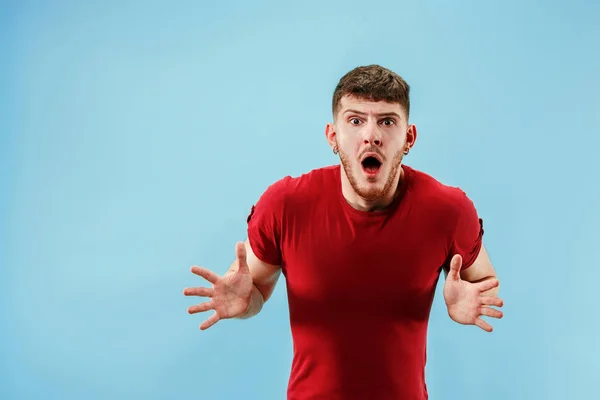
x=379, y=204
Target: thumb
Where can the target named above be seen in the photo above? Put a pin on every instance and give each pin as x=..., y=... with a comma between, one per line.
x=240, y=255
x=455, y=265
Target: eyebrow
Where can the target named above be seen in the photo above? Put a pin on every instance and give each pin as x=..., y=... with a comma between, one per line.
x=387, y=114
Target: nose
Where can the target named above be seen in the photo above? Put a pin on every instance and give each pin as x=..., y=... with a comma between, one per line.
x=375, y=142
x=372, y=135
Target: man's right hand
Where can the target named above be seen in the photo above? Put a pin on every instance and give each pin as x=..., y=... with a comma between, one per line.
x=230, y=294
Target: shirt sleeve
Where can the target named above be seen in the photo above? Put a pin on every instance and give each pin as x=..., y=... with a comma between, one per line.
x=265, y=223
x=468, y=234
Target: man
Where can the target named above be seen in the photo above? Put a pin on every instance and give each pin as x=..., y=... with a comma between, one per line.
x=361, y=245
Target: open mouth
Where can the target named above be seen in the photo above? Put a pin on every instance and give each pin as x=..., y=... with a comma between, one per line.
x=371, y=165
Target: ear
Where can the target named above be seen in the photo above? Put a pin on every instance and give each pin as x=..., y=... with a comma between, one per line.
x=411, y=135
x=330, y=134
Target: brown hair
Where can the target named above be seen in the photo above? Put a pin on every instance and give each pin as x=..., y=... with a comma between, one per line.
x=374, y=83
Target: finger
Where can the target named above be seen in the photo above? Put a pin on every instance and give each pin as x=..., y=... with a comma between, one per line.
x=208, y=305
x=205, y=273
x=240, y=255
x=198, y=291
x=487, y=284
x=213, y=319
x=491, y=312
x=455, y=265
x=492, y=301
x=483, y=325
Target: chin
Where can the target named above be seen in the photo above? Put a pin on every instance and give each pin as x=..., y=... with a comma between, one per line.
x=371, y=188
x=371, y=194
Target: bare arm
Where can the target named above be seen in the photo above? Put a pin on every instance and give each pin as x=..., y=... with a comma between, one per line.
x=469, y=294
x=481, y=270
x=264, y=278
x=240, y=292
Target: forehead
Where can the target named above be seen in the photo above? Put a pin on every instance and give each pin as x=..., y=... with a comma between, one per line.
x=369, y=106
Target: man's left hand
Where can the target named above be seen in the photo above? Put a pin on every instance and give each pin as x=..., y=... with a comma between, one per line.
x=466, y=301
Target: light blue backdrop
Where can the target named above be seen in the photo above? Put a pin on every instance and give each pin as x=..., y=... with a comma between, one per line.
x=135, y=136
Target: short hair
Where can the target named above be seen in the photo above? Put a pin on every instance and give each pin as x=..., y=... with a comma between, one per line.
x=373, y=83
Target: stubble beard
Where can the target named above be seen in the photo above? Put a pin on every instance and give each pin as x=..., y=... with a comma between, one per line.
x=373, y=193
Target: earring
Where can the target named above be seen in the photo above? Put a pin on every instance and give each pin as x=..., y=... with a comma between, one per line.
x=335, y=150
x=406, y=151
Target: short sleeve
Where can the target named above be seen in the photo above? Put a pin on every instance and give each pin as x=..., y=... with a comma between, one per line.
x=468, y=233
x=265, y=223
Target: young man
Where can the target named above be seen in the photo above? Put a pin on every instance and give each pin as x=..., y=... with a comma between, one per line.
x=361, y=245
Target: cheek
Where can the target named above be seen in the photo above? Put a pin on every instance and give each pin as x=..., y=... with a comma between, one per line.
x=349, y=145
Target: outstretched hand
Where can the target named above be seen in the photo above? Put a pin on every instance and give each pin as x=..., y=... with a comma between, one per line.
x=229, y=295
x=465, y=300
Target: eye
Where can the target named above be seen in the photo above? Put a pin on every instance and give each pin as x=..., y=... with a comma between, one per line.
x=354, y=121
x=389, y=122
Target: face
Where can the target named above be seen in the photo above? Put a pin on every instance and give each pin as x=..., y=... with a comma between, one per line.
x=371, y=138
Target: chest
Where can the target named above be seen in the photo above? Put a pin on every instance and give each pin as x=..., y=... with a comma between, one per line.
x=335, y=263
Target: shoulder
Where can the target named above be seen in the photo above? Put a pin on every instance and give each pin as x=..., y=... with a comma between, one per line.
x=305, y=185
x=315, y=179
x=437, y=195
x=447, y=208
x=302, y=188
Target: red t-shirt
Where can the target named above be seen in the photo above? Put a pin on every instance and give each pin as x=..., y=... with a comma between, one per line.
x=360, y=284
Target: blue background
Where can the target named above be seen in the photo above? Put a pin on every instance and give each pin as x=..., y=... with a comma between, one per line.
x=135, y=136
